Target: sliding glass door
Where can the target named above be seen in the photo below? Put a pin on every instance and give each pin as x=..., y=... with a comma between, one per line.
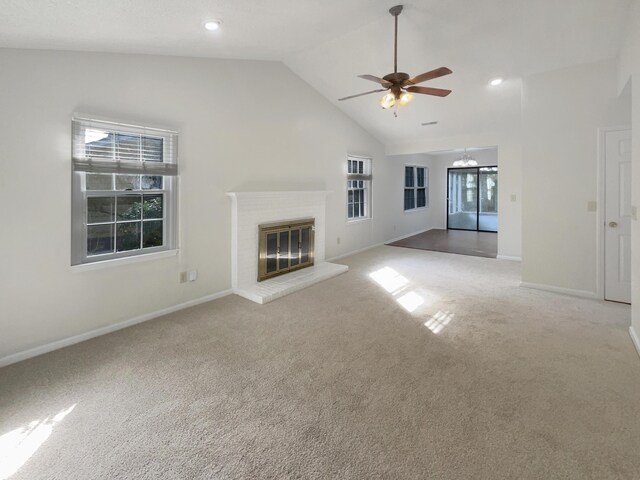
x=472, y=197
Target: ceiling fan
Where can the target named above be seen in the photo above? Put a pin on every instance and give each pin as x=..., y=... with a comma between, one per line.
x=400, y=85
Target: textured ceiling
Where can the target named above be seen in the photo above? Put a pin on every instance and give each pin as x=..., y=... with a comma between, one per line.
x=329, y=42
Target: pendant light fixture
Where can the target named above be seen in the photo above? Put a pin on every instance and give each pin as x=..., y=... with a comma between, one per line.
x=465, y=160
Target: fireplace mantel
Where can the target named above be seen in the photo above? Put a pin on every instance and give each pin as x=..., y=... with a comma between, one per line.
x=250, y=209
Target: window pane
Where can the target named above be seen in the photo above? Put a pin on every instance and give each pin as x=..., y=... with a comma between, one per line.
x=420, y=175
x=152, y=236
x=98, y=143
x=349, y=166
x=350, y=196
x=100, y=209
x=356, y=196
x=421, y=201
x=128, y=147
x=127, y=236
x=356, y=210
x=350, y=211
x=99, y=181
x=152, y=206
x=99, y=239
x=128, y=207
x=409, y=200
x=152, y=182
x=127, y=182
x=361, y=166
x=152, y=149
x=408, y=176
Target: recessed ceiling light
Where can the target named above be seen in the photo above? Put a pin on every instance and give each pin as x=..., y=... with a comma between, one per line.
x=496, y=81
x=212, y=25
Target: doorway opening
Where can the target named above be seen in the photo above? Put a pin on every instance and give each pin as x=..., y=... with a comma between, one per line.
x=472, y=198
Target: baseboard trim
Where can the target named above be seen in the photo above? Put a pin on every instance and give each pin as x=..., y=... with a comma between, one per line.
x=509, y=257
x=65, y=342
x=364, y=249
x=561, y=290
x=634, y=338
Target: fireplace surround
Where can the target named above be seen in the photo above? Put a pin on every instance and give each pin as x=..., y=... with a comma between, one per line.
x=249, y=210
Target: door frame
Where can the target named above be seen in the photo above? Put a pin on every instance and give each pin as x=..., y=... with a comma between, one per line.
x=477, y=169
x=600, y=210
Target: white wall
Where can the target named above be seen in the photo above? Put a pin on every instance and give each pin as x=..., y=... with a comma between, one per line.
x=509, y=148
x=561, y=113
x=243, y=126
x=440, y=162
x=412, y=220
x=629, y=71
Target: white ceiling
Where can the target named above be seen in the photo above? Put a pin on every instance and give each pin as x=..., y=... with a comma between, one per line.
x=329, y=42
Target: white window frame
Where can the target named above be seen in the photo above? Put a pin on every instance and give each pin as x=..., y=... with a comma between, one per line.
x=83, y=165
x=358, y=181
x=415, y=187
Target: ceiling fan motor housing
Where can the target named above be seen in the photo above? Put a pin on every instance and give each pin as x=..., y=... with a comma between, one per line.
x=396, y=77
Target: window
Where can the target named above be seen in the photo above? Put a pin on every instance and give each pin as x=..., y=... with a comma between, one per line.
x=358, y=187
x=124, y=190
x=416, y=184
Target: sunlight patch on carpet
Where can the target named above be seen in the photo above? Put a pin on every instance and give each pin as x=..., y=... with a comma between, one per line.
x=440, y=320
x=405, y=293
x=17, y=446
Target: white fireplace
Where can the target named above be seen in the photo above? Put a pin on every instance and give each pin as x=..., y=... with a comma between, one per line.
x=251, y=209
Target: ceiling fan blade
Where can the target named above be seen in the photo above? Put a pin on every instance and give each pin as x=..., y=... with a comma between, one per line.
x=361, y=94
x=423, y=77
x=438, y=92
x=373, y=78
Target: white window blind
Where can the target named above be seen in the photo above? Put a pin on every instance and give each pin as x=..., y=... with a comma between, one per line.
x=107, y=147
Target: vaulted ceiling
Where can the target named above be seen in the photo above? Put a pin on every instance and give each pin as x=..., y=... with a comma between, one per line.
x=329, y=42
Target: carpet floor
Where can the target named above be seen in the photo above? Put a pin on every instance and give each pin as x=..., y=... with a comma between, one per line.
x=412, y=365
x=478, y=244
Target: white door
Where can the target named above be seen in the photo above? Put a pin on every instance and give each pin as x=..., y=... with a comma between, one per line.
x=617, y=239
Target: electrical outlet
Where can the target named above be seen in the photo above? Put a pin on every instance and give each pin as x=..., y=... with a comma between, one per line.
x=188, y=276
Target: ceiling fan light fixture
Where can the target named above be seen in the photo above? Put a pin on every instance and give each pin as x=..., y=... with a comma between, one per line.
x=388, y=100
x=405, y=99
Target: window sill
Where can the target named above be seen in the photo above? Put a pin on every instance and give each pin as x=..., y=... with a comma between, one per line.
x=414, y=210
x=357, y=220
x=147, y=257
